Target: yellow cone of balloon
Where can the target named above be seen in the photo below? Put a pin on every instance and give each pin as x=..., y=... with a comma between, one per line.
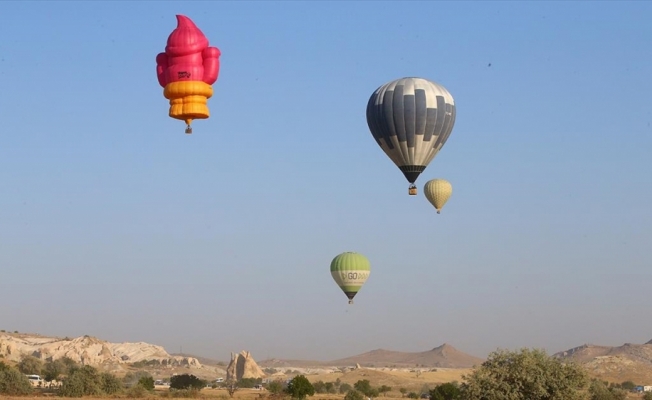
x=438, y=191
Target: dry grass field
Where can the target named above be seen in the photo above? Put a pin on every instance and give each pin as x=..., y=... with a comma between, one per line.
x=395, y=379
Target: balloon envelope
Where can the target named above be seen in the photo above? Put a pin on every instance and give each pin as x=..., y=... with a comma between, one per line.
x=350, y=271
x=411, y=119
x=186, y=70
x=438, y=191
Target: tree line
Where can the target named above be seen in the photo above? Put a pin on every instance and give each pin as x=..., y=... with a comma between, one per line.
x=525, y=374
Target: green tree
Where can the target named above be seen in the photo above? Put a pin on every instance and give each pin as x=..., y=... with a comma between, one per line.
x=354, y=395
x=345, y=388
x=13, y=382
x=70, y=365
x=403, y=391
x=84, y=381
x=186, y=381
x=413, y=395
x=147, y=382
x=384, y=389
x=53, y=369
x=363, y=386
x=628, y=385
x=329, y=387
x=300, y=387
x=647, y=396
x=525, y=375
x=30, y=365
x=446, y=391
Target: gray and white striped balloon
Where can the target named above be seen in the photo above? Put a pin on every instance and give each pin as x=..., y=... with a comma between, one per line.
x=411, y=119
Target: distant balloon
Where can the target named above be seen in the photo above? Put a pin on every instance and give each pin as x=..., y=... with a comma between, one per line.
x=350, y=271
x=186, y=70
x=438, y=191
x=411, y=119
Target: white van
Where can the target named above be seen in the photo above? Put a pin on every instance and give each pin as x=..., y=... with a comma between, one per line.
x=35, y=380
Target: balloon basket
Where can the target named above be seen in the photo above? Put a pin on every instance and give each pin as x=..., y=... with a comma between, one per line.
x=412, y=190
x=188, y=130
x=350, y=301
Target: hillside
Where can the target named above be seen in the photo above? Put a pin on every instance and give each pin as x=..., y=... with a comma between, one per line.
x=614, y=363
x=283, y=363
x=118, y=358
x=444, y=356
x=202, y=360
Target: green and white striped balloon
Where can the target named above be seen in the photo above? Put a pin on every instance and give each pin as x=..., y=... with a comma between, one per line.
x=350, y=271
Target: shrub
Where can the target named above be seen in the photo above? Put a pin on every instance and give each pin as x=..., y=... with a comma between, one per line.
x=136, y=392
x=275, y=387
x=320, y=387
x=146, y=382
x=13, y=382
x=248, y=383
x=133, y=378
x=445, y=391
x=354, y=395
x=110, y=384
x=600, y=391
x=84, y=381
x=186, y=381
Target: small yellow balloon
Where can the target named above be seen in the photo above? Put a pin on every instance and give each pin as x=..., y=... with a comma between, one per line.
x=438, y=191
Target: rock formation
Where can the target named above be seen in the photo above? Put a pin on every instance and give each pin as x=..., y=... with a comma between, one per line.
x=242, y=366
x=87, y=350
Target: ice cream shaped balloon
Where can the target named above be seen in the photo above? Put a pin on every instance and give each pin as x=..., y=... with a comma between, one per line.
x=187, y=70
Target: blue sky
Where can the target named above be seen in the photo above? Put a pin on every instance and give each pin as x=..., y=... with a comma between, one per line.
x=114, y=223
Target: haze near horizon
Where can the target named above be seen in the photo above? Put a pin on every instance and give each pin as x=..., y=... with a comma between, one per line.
x=115, y=224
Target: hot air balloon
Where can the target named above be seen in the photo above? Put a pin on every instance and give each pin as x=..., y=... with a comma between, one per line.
x=438, y=191
x=411, y=119
x=350, y=271
x=186, y=71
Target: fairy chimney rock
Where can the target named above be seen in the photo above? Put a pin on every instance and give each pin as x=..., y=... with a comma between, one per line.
x=243, y=365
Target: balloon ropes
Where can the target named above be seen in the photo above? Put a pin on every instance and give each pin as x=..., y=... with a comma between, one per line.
x=350, y=271
x=411, y=119
x=186, y=71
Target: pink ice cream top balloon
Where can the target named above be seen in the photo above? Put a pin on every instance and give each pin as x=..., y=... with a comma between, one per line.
x=187, y=56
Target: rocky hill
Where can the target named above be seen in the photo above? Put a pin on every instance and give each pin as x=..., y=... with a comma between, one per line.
x=617, y=364
x=87, y=350
x=444, y=356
